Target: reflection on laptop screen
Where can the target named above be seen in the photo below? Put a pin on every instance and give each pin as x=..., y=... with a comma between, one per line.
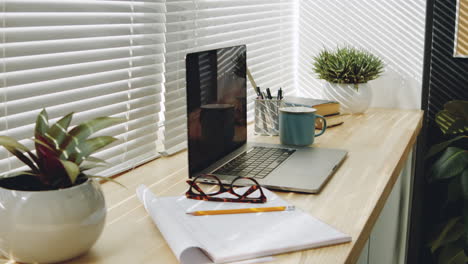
x=216, y=104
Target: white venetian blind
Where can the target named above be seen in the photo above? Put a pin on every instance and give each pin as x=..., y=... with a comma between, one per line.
x=95, y=58
x=265, y=26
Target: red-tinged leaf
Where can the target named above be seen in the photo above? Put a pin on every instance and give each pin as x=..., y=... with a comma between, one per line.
x=53, y=172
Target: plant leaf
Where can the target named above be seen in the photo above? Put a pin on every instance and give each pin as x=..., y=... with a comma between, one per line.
x=84, y=130
x=451, y=123
x=107, y=179
x=464, y=183
x=455, y=189
x=72, y=170
x=452, y=254
x=18, y=173
x=464, y=238
x=441, y=146
x=42, y=123
x=95, y=160
x=85, y=167
x=53, y=173
x=452, y=163
x=458, y=108
x=17, y=149
x=90, y=146
x=58, y=131
x=453, y=223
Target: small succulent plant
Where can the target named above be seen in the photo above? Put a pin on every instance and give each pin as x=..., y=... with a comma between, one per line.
x=347, y=65
x=62, y=154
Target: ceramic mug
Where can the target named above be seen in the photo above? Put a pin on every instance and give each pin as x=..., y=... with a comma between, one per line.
x=297, y=125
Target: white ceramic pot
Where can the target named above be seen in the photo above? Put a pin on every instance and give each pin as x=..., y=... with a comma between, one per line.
x=50, y=226
x=351, y=101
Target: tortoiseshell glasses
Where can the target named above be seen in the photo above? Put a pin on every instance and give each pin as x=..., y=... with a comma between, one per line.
x=199, y=190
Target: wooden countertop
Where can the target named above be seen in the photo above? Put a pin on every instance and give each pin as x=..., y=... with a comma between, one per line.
x=378, y=143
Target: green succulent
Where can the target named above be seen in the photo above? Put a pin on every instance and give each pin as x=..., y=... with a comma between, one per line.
x=62, y=154
x=347, y=65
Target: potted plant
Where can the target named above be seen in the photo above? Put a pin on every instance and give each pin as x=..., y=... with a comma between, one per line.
x=53, y=211
x=347, y=72
x=448, y=178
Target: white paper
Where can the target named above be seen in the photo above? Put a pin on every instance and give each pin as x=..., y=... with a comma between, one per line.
x=234, y=237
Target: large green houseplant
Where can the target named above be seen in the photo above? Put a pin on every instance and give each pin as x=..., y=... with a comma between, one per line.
x=53, y=211
x=449, y=174
x=347, y=72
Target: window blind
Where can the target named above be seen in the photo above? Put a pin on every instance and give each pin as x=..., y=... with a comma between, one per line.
x=265, y=26
x=95, y=58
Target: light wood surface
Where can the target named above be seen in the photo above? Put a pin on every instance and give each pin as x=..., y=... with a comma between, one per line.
x=461, y=47
x=378, y=143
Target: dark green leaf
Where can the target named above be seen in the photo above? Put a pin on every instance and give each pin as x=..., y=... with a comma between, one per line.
x=18, y=173
x=89, y=166
x=17, y=149
x=452, y=163
x=72, y=170
x=59, y=131
x=95, y=160
x=450, y=123
x=455, y=189
x=441, y=146
x=90, y=146
x=458, y=108
x=451, y=227
x=84, y=130
x=105, y=179
x=464, y=183
x=452, y=254
x=464, y=239
x=42, y=123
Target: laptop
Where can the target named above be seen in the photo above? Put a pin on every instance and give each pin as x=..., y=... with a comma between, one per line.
x=217, y=130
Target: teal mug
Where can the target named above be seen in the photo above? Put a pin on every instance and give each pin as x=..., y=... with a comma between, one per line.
x=297, y=125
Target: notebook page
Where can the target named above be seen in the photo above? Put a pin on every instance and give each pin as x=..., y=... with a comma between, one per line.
x=186, y=250
x=173, y=232
x=236, y=237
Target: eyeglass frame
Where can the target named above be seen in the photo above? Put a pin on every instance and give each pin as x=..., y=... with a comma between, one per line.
x=222, y=189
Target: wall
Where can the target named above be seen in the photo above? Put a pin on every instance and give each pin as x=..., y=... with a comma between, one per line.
x=393, y=30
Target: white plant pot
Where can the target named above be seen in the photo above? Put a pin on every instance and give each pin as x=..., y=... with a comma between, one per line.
x=50, y=226
x=351, y=101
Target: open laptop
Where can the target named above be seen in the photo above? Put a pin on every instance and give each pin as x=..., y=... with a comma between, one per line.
x=217, y=130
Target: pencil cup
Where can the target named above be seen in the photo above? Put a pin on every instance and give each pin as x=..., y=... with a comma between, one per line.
x=267, y=117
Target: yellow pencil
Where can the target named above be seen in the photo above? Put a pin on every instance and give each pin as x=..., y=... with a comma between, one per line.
x=243, y=210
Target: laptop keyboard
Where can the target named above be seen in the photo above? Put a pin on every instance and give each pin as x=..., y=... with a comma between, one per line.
x=257, y=162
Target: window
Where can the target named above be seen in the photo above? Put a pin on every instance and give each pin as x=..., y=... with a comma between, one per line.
x=127, y=59
x=96, y=58
x=265, y=26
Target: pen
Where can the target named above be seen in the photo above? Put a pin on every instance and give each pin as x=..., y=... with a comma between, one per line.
x=280, y=94
x=268, y=93
x=259, y=93
x=242, y=210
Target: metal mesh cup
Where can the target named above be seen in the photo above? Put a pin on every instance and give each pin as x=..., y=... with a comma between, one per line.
x=267, y=117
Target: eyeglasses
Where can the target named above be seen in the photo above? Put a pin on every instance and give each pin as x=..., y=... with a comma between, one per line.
x=200, y=191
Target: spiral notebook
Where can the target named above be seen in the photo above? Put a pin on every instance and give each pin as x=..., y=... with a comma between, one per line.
x=235, y=237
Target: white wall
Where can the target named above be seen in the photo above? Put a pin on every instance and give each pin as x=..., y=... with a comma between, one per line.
x=393, y=30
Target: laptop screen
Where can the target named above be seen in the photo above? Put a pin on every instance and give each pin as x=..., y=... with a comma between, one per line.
x=216, y=105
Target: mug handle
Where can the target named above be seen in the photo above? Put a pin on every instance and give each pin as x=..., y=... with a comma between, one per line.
x=324, y=126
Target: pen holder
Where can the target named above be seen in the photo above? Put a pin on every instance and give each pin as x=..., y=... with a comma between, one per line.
x=267, y=117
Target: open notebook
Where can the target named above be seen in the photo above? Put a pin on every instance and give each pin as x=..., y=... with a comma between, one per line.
x=235, y=237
